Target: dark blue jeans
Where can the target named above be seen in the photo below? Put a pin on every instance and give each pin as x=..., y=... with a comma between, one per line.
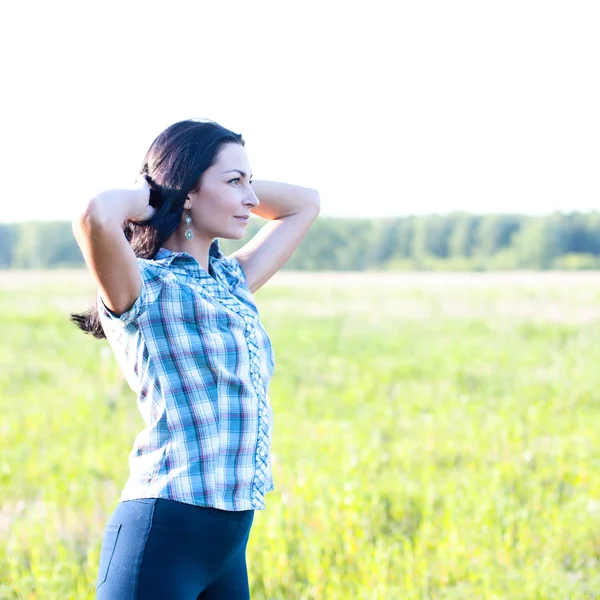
x=155, y=549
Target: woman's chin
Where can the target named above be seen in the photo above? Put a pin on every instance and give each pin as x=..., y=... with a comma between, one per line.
x=234, y=235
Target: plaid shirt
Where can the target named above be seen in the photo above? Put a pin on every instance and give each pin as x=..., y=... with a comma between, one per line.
x=193, y=349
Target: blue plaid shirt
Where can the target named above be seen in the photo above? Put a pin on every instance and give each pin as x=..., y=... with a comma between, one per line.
x=193, y=349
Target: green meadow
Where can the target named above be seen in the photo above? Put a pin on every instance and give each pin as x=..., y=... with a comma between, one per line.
x=436, y=437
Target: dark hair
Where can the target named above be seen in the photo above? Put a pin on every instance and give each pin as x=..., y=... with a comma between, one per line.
x=173, y=166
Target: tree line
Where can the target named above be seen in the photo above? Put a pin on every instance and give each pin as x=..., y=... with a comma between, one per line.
x=456, y=241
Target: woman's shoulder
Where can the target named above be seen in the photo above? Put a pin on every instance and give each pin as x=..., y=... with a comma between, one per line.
x=153, y=276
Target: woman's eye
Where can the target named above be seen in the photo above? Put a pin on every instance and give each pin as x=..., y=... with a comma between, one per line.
x=235, y=179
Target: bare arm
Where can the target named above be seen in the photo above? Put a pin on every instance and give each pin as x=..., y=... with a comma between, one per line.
x=291, y=210
x=98, y=230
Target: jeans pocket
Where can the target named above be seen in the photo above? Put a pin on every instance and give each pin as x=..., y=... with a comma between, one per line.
x=109, y=542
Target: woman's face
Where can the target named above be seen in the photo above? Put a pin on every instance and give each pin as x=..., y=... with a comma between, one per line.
x=224, y=196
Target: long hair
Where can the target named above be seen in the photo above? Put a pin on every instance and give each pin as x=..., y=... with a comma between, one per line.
x=173, y=166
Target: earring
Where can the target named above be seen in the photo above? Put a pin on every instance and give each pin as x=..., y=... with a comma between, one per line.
x=188, y=221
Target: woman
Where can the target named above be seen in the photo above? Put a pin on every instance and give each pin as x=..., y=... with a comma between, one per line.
x=181, y=320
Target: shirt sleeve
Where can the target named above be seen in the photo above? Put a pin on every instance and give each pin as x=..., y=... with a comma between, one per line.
x=151, y=287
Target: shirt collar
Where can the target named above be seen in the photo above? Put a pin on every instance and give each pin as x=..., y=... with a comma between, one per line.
x=167, y=257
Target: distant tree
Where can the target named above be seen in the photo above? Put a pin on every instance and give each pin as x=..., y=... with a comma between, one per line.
x=60, y=248
x=7, y=241
x=28, y=246
x=419, y=243
x=404, y=237
x=464, y=235
x=540, y=242
x=495, y=232
x=386, y=240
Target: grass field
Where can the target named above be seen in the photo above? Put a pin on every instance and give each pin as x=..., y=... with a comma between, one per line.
x=436, y=437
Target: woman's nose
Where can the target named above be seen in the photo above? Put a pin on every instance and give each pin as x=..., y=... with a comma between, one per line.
x=252, y=199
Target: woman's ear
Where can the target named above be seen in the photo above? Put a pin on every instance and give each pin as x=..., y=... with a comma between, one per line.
x=187, y=204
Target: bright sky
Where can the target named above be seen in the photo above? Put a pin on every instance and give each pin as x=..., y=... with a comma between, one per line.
x=387, y=108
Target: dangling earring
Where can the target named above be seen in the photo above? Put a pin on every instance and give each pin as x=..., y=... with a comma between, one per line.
x=188, y=220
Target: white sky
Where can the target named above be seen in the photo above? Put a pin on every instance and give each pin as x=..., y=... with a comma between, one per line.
x=387, y=108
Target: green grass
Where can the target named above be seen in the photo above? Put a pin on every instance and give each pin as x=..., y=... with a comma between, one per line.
x=430, y=443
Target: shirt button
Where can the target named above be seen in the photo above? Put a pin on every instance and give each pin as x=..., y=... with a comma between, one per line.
x=262, y=452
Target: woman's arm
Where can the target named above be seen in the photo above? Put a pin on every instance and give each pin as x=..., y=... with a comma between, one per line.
x=292, y=210
x=98, y=229
x=278, y=200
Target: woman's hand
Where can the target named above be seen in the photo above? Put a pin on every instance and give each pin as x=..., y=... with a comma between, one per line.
x=141, y=209
x=117, y=206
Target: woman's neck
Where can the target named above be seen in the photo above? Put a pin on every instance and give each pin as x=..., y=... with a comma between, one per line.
x=198, y=247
